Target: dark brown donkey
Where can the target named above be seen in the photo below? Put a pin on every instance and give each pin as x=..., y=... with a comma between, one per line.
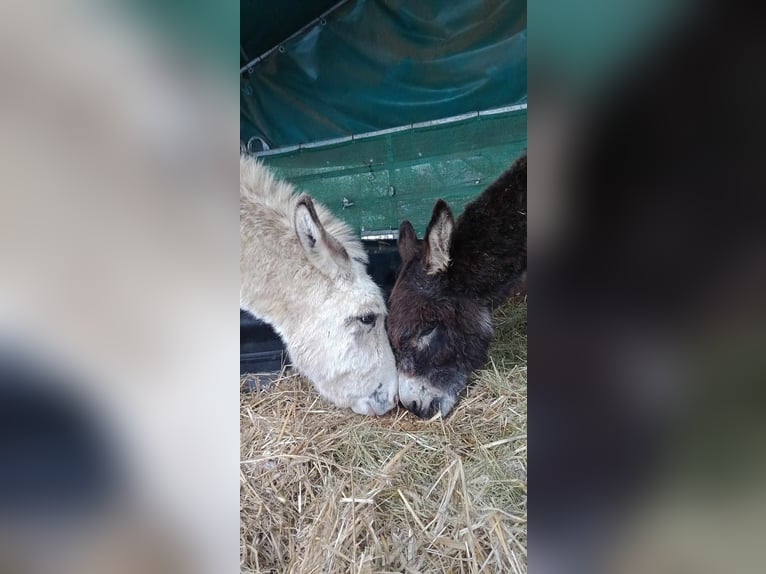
x=439, y=319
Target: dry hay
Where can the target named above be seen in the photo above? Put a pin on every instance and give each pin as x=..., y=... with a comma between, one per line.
x=324, y=490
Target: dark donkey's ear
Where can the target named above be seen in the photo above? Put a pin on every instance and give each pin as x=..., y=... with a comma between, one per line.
x=407, y=242
x=438, y=239
x=322, y=249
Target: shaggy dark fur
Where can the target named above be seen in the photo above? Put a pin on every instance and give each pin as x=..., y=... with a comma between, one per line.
x=449, y=305
x=489, y=246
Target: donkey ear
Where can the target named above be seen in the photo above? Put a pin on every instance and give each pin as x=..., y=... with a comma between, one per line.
x=324, y=251
x=438, y=239
x=407, y=242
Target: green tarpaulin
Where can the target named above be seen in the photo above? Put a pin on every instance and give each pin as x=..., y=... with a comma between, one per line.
x=375, y=64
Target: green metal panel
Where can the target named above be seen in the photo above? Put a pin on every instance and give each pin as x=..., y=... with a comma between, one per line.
x=390, y=177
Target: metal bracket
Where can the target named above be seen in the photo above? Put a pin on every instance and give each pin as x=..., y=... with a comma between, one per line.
x=380, y=235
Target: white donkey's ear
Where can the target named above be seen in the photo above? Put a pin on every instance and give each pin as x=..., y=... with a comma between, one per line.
x=436, y=244
x=324, y=251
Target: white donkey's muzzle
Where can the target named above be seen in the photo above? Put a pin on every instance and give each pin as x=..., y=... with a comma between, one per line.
x=382, y=400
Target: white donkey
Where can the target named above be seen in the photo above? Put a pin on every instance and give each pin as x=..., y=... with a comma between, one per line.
x=304, y=272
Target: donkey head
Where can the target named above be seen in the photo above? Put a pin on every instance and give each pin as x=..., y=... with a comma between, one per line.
x=438, y=336
x=342, y=345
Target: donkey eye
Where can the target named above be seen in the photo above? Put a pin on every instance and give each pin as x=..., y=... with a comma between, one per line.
x=426, y=332
x=368, y=319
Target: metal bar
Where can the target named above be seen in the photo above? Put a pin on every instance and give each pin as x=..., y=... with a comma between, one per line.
x=383, y=234
x=277, y=151
x=323, y=143
x=443, y=121
x=449, y=120
x=503, y=110
x=383, y=132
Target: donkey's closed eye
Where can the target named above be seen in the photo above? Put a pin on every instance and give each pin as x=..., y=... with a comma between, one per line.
x=425, y=332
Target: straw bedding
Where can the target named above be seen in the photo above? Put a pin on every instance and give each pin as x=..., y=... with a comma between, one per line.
x=323, y=490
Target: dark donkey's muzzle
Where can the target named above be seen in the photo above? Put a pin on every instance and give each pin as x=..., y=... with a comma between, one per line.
x=420, y=397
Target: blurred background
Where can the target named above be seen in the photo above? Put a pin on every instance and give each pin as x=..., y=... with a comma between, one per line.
x=118, y=273
x=648, y=265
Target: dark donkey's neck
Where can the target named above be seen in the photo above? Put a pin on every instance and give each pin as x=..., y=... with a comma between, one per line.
x=489, y=245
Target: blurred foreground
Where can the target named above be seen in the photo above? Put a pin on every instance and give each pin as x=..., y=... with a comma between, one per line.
x=118, y=249
x=647, y=316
